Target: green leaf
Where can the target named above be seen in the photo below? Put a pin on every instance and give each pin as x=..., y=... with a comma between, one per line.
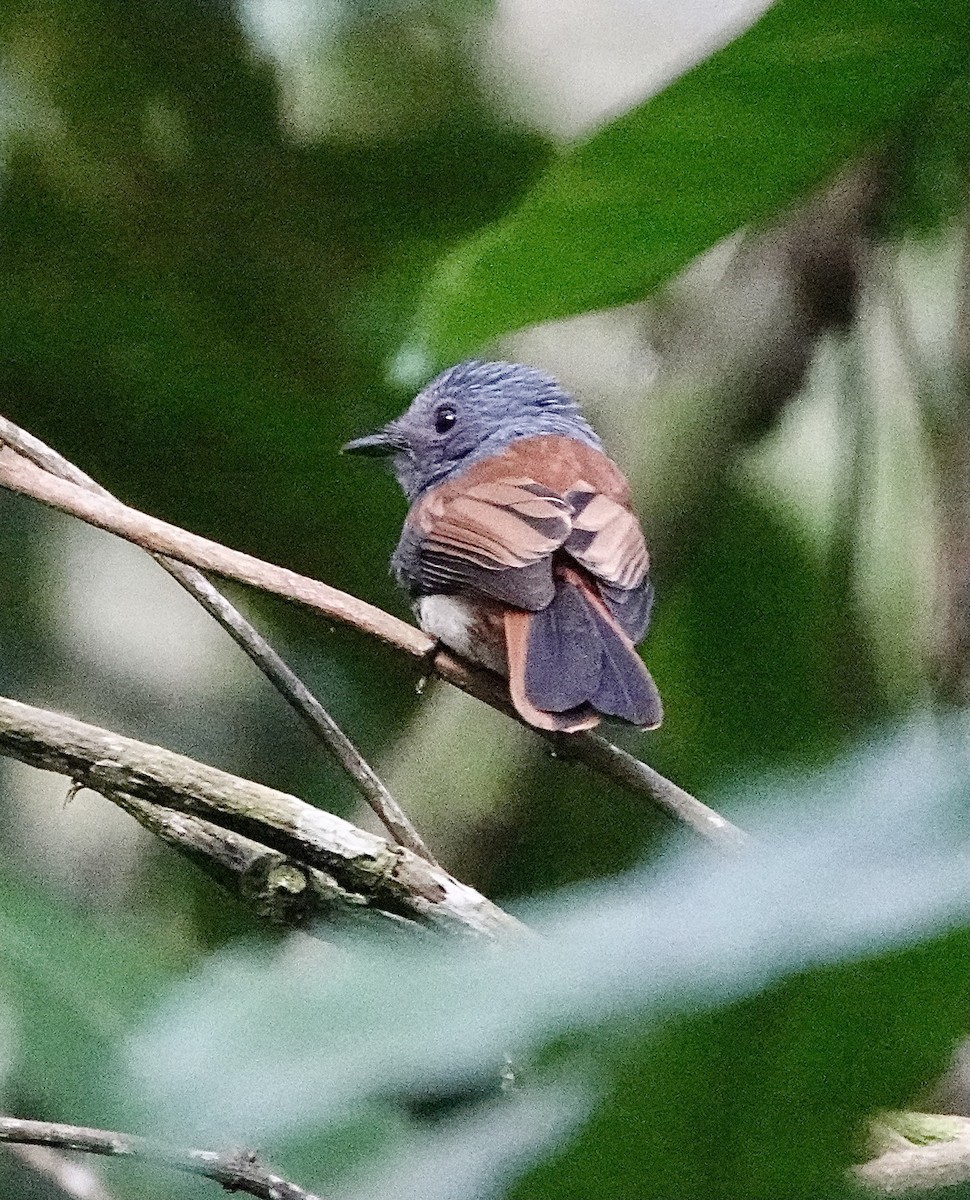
x=932, y=169
x=733, y=142
x=71, y=989
x=720, y=1025
x=767, y=1096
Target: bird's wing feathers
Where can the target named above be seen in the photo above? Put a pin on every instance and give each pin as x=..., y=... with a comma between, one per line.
x=495, y=528
x=607, y=540
x=606, y=537
x=495, y=537
x=509, y=521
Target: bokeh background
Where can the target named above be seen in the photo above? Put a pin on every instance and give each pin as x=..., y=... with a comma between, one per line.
x=222, y=229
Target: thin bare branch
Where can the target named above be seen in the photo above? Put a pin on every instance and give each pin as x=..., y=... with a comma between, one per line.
x=237, y=1171
x=252, y=643
x=158, y=537
x=24, y=477
x=599, y=754
x=368, y=871
x=906, y=1168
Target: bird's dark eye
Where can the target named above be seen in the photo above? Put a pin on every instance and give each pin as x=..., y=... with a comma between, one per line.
x=444, y=418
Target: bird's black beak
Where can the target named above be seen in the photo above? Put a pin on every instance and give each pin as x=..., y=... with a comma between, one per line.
x=374, y=445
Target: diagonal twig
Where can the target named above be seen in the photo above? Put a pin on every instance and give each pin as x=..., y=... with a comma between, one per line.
x=282, y=677
x=237, y=1171
x=901, y=1171
x=159, y=537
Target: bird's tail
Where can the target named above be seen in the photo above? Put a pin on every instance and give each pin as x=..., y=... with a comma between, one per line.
x=571, y=663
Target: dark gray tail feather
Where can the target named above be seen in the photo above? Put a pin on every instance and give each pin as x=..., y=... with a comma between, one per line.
x=630, y=607
x=626, y=688
x=563, y=660
x=577, y=655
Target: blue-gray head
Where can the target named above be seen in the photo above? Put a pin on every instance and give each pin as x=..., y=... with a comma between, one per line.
x=470, y=412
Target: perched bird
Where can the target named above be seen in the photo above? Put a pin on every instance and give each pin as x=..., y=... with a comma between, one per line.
x=520, y=548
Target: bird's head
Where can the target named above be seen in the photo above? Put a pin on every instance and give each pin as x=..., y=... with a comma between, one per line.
x=470, y=412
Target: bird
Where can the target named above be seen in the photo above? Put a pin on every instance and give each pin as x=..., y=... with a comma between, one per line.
x=520, y=548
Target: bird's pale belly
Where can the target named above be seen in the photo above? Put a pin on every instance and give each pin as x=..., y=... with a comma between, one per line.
x=472, y=628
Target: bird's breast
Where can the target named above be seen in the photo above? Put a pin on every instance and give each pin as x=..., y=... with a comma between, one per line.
x=472, y=627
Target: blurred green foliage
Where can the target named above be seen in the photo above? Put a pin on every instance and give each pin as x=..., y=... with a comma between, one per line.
x=733, y=142
x=703, y=1029
x=219, y=259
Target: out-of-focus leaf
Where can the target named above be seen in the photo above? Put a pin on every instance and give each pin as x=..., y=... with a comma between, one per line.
x=468, y=1158
x=73, y=988
x=766, y=1096
x=730, y=1021
x=932, y=167
x=733, y=142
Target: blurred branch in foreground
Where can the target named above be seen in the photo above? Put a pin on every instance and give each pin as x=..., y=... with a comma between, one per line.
x=285, y=680
x=920, y=1152
x=368, y=871
x=237, y=1171
x=906, y=1167
x=19, y=475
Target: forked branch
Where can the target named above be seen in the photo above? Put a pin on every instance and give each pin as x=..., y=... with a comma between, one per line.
x=252, y=643
x=365, y=871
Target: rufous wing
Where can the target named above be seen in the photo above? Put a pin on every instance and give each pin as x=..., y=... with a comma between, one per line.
x=495, y=537
x=552, y=536
x=607, y=540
